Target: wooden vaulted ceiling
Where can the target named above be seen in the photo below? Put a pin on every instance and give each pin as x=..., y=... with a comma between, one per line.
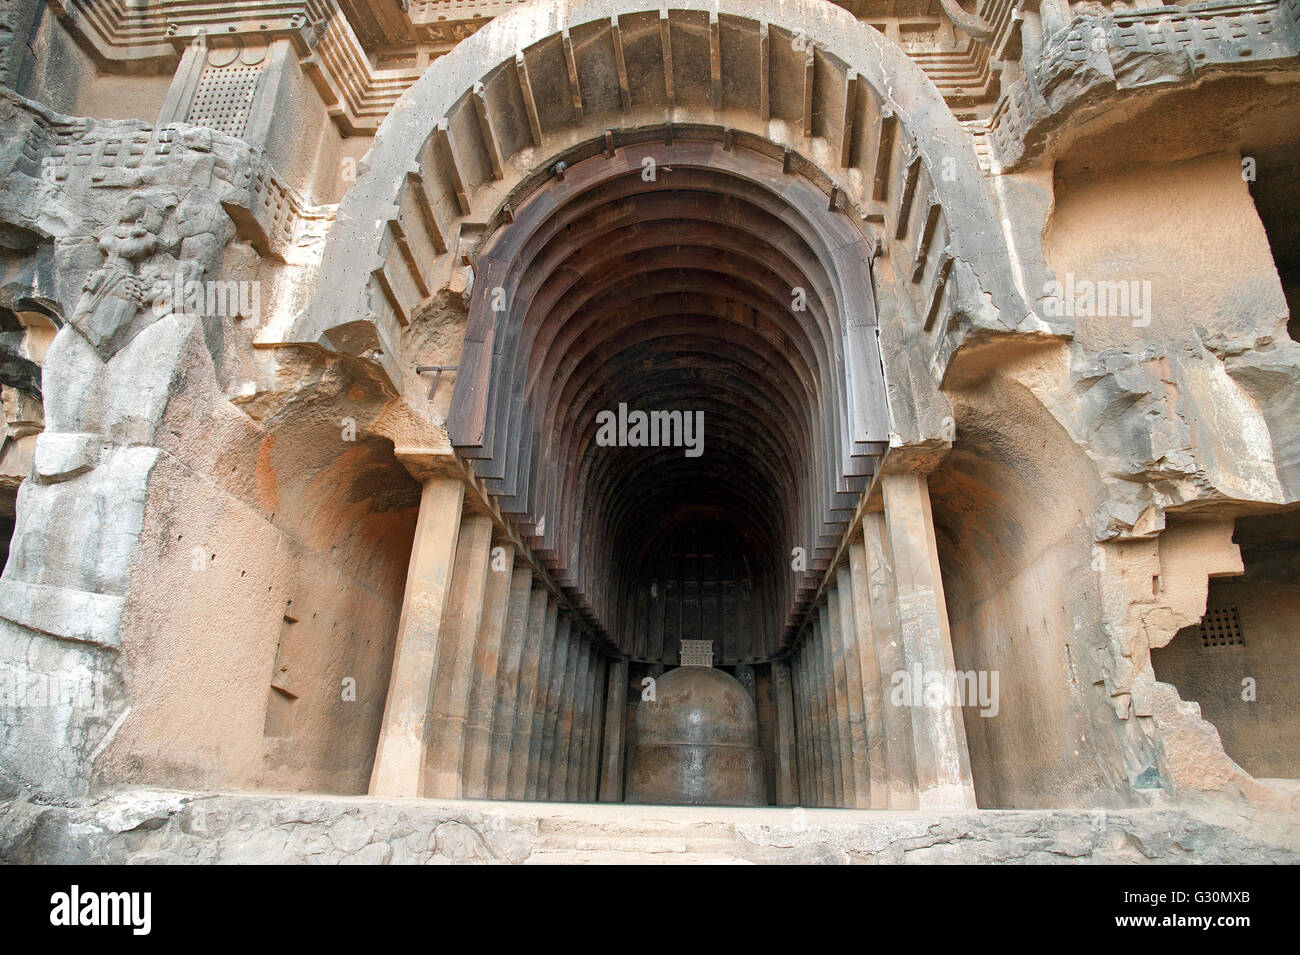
x=718, y=285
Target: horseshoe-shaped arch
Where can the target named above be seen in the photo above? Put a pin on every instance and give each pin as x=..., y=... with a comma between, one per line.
x=789, y=146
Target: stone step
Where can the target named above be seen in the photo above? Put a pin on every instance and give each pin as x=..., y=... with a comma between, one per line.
x=632, y=829
x=549, y=856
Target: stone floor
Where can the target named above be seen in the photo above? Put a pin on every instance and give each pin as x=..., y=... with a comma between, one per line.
x=147, y=826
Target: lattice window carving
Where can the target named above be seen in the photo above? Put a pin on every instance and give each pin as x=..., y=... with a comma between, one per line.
x=697, y=653
x=1221, y=627
x=224, y=97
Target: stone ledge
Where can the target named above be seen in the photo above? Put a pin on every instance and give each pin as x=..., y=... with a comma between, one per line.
x=166, y=826
x=64, y=613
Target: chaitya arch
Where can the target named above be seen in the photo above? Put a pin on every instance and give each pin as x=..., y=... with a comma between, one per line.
x=489, y=171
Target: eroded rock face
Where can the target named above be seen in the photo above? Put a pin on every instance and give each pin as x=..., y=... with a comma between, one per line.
x=697, y=743
x=213, y=514
x=144, y=826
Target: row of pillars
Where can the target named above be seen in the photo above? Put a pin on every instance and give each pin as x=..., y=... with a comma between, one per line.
x=843, y=736
x=494, y=692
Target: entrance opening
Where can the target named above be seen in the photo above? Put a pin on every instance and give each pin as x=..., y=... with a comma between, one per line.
x=671, y=384
x=653, y=385
x=669, y=396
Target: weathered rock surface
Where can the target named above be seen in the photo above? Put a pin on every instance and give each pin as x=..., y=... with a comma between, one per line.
x=164, y=826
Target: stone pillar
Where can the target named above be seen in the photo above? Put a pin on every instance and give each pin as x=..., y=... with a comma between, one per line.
x=889, y=658
x=807, y=775
x=943, y=773
x=796, y=704
x=568, y=703
x=582, y=733
x=786, y=768
x=809, y=674
x=460, y=626
x=403, y=739
x=847, y=661
x=573, y=772
x=526, y=697
x=536, y=739
x=855, y=609
x=611, y=779
x=512, y=647
x=483, y=685
x=825, y=704
x=875, y=566
x=551, y=725
x=839, y=686
x=595, y=712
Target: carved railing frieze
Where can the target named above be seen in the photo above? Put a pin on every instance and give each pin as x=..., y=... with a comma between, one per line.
x=1096, y=56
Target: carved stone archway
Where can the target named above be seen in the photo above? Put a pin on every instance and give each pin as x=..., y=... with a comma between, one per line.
x=860, y=157
x=863, y=123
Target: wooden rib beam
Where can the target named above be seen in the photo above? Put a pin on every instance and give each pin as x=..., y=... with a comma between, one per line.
x=715, y=59
x=571, y=64
x=624, y=87
x=449, y=166
x=809, y=69
x=530, y=101
x=490, y=143
x=666, y=42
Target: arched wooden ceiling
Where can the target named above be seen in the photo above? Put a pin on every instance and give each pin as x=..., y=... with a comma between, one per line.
x=720, y=284
x=842, y=121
